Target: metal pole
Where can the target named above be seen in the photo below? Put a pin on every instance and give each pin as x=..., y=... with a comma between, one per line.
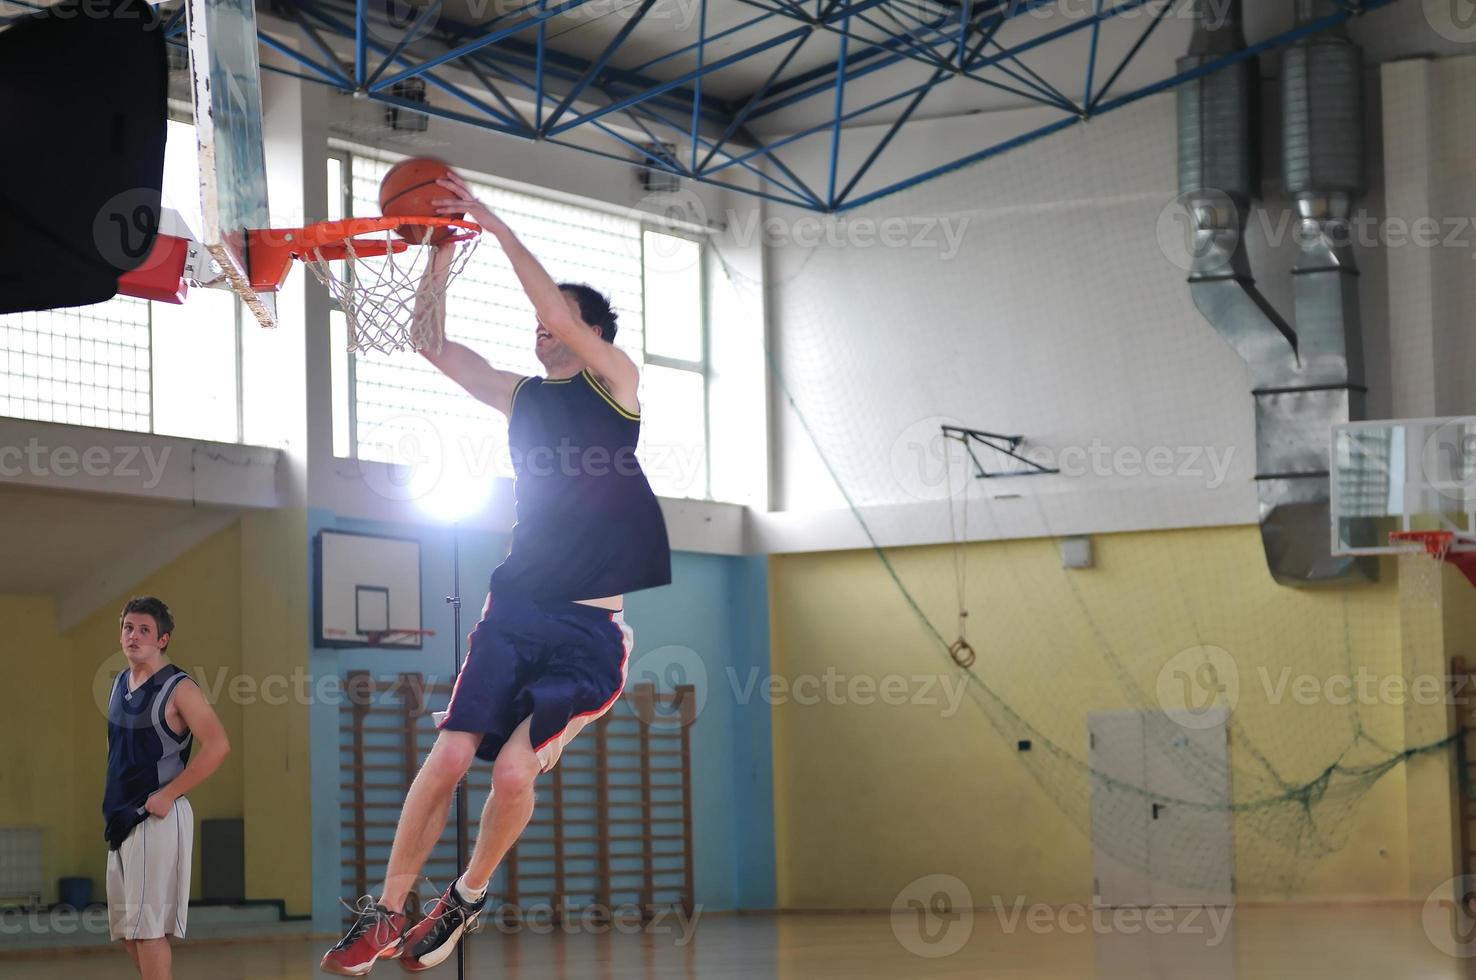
x=840, y=103
x=455, y=601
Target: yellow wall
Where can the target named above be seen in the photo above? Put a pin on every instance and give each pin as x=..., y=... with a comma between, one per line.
x=276, y=617
x=258, y=566
x=869, y=797
x=202, y=589
x=38, y=785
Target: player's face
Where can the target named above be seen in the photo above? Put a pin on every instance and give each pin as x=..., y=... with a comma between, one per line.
x=550, y=349
x=140, y=638
x=544, y=342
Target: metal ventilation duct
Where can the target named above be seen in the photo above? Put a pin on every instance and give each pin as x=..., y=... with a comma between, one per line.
x=1305, y=377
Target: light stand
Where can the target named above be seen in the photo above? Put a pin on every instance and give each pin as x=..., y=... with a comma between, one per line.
x=453, y=499
x=455, y=602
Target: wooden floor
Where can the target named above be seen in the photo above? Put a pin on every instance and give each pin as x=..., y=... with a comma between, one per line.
x=1276, y=943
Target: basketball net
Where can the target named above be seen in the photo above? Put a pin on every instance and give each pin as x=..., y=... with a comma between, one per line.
x=1422, y=567
x=380, y=284
x=1422, y=574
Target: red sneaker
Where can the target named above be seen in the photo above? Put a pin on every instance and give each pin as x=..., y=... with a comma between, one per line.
x=434, y=937
x=375, y=934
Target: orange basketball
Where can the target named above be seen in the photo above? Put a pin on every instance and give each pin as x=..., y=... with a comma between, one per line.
x=408, y=189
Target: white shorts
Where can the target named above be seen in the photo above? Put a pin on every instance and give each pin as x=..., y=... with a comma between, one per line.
x=149, y=877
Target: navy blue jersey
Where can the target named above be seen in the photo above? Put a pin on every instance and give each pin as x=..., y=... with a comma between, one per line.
x=144, y=753
x=588, y=525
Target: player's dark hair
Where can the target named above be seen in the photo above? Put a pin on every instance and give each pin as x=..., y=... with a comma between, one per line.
x=594, y=308
x=147, y=605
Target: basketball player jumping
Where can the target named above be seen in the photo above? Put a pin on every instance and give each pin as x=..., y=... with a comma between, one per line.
x=550, y=653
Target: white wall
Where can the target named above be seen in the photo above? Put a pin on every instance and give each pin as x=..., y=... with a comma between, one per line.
x=1431, y=130
x=1064, y=317
x=1058, y=317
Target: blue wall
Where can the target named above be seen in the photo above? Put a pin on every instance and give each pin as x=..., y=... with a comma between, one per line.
x=707, y=628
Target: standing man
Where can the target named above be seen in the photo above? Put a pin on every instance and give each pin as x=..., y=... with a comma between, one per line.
x=550, y=654
x=154, y=715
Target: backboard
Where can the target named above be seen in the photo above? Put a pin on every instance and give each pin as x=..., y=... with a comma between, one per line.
x=1402, y=475
x=367, y=586
x=226, y=88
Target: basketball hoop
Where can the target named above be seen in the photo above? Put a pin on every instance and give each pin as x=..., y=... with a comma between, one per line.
x=1435, y=543
x=373, y=273
x=1445, y=546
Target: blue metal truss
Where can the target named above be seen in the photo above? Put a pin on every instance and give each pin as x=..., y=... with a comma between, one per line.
x=525, y=87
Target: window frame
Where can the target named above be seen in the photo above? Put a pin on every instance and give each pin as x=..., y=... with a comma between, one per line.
x=703, y=365
x=345, y=159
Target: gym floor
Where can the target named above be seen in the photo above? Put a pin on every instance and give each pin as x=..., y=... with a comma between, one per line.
x=1365, y=942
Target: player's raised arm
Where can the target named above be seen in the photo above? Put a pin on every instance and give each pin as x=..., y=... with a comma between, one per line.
x=606, y=360
x=458, y=362
x=481, y=380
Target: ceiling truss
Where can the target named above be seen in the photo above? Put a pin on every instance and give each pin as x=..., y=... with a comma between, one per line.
x=504, y=75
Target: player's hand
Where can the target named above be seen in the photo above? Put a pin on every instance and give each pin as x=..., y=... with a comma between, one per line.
x=463, y=202
x=159, y=804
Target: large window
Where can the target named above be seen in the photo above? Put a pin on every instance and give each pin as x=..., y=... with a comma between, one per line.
x=128, y=363
x=396, y=407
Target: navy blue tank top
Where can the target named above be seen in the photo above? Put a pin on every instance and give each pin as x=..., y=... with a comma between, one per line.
x=144, y=754
x=588, y=524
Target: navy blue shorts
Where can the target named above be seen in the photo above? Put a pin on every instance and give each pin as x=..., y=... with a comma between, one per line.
x=561, y=663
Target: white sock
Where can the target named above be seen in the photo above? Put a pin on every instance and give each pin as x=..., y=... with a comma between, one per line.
x=467, y=893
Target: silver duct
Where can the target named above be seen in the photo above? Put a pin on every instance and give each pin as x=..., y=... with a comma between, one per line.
x=1305, y=377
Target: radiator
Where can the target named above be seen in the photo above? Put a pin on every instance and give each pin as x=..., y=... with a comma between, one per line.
x=20, y=863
